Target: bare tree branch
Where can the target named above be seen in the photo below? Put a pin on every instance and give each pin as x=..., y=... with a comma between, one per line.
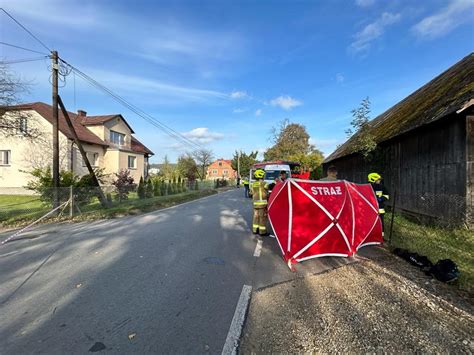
x=203, y=159
x=13, y=122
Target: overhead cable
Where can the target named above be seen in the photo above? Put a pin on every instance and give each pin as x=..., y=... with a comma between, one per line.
x=27, y=30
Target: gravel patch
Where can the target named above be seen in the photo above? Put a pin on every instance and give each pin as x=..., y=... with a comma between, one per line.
x=359, y=308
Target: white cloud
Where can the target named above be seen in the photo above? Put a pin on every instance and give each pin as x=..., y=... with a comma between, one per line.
x=372, y=31
x=339, y=78
x=122, y=82
x=202, y=135
x=238, y=94
x=57, y=12
x=239, y=110
x=365, y=3
x=285, y=102
x=258, y=112
x=448, y=18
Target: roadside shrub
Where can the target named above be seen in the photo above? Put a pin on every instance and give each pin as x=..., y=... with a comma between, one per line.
x=164, y=188
x=149, y=189
x=157, y=188
x=124, y=183
x=141, y=188
x=83, y=187
x=220, y=183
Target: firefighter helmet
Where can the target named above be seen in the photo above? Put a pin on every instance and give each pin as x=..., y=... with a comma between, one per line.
x=259, y=174
x=373, y=177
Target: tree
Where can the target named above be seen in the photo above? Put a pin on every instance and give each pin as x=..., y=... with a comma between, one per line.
x=291, y=142
x=156, y=187
x=167, y=169
x=13, y=122
x=141, y=190
x=187, y=167
x=149, y=188
x=246, y=162
x=203, y=158
x=363, y=140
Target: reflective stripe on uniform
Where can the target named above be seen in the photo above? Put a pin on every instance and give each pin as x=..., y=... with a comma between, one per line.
x=262, y=228
x=263, y=203
x=386, y=196
x=378, y=193
x=381, y=210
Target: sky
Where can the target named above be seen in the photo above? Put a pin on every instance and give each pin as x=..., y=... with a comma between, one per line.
x=223, y=73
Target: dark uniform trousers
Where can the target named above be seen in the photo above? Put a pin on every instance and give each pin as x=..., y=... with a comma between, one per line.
x=382, y=196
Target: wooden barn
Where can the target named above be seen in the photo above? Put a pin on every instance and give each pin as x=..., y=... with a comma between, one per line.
x=425, y=148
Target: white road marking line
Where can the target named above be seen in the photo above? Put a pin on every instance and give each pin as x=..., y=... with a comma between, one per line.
x=233, y=336
x=258, y=248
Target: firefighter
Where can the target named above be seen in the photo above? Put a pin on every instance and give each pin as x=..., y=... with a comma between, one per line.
x=259, y=195
x=246, y=184
x=331, y=174
x=283, y=176
x=380, y=192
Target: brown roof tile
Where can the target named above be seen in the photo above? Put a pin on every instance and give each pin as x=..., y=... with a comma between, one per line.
x=46, y=111
x=99, y=120
x=139, y=147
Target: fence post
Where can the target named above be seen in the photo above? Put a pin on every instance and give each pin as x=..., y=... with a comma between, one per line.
x=393, y=215
x=71, y=203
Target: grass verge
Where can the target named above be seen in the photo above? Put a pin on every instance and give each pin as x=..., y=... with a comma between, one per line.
x=16, y=211
x=437, y=243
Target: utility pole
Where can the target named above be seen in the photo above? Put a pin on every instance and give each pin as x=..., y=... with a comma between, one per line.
x=55, y=69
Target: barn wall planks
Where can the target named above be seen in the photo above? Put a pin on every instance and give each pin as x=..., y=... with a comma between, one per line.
x=426, y=166
x=470, y=169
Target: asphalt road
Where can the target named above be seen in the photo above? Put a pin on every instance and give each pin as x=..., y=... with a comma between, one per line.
x=167, y=281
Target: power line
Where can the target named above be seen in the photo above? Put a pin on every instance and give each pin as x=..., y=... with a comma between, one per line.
x=24, y=28
x=168, y=130
x=147, y=117
x=23, y=60
x=25, y=49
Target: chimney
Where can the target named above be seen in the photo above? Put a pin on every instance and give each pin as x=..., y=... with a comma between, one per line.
x=81, y=113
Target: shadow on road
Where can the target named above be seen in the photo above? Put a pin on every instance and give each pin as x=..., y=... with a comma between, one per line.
x=146, y=283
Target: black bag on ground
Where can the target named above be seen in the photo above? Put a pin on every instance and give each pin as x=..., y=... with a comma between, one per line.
x=414, y=258
x=445, y=270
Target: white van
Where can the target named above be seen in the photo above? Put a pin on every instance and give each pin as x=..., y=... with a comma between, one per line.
x=272, y=171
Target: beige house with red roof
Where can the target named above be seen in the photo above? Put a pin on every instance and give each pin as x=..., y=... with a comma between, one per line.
x=108, y=141
x=221, y=169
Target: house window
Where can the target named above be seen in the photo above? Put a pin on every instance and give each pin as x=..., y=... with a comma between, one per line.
x=22, y=125
x=117, y=138
x=214, y=172
x=132, y=162
x=5, y=157
x=93, y=159
x=220, y=163
x=225, y=172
